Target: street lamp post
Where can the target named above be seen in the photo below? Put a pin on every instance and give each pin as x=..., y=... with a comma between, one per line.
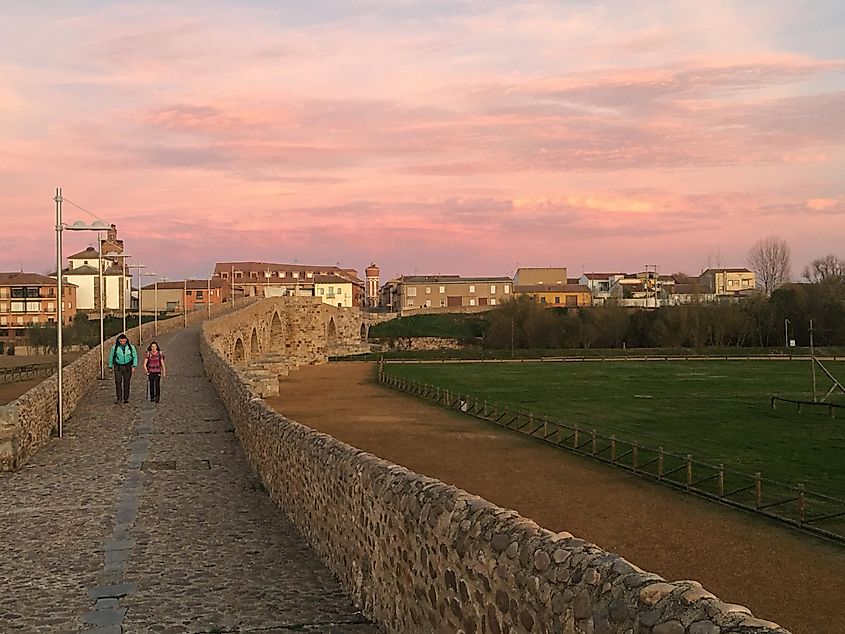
x=208, y=298
x=123, y=278
x=185, y=302
x=786, y=332
x=97, y=225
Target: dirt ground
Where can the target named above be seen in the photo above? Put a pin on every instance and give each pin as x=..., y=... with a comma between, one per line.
x=10, y=391
x=781, y=574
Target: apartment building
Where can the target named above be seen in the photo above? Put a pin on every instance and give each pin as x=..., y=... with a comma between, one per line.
x=729, y=282
x=262, y=279
x=411, y=294
x=599, y=285
x=30, y=298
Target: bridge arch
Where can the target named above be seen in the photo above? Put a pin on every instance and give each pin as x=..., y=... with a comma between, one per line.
x=239, y=354
x=331, y=332
x=254, y=348
x=277, y=332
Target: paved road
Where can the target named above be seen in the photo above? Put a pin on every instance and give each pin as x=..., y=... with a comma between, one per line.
x=147, y=518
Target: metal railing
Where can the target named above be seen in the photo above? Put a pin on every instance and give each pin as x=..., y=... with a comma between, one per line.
x=815, y=513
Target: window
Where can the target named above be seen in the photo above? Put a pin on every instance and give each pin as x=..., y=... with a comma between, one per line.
x=472, y=301
x=188, y=293
x=442, y=304
x=507, y=289
x=427, y=303
x=51, y=307
x=442, y=290
x=542, y=300
x=320, y=291
x=18, y=307
x=557, y=299
x=35, y=319
x=492, y=289
x=472, y=288
x=199, y=294
x=309, y=274
x=4, y=321
x=4, y=307
x=339, y=291
x=225, y=276
x=412, y=291
x=428, y=290
x=296, y=274
x=409, y=302
x=492, y=301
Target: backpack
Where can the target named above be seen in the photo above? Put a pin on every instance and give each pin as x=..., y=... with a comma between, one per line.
x=131, y=352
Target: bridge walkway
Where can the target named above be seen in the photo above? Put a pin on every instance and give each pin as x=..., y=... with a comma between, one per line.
x=147, y=518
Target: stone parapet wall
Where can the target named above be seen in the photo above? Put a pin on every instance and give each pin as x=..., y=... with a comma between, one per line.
x=27, y=422
x=421, y=556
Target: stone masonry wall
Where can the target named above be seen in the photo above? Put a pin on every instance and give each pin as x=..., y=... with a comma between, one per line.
x=422, y=343
x=27, y=422
x=420, y=556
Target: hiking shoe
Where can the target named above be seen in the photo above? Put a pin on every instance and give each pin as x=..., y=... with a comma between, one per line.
x=116, y=401
x=126, y=401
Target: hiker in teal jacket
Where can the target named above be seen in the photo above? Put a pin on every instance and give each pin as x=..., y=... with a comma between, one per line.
x=123, y=357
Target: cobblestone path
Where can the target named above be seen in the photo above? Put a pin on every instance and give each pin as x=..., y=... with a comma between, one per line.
x=147, y=518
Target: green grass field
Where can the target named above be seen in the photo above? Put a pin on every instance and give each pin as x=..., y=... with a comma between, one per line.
x=718, y=411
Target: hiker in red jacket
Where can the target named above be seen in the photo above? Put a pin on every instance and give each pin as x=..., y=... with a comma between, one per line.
x=155, y=369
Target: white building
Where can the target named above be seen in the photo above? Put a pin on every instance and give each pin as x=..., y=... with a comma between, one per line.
x=334, y=290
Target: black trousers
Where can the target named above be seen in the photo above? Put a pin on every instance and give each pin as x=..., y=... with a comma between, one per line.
x=122, y=376
x=155, y=386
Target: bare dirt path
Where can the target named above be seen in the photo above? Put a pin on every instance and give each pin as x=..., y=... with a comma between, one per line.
x=782, y=575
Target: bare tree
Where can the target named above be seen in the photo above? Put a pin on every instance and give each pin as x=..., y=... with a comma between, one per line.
x=770, y=260
x=821, y=269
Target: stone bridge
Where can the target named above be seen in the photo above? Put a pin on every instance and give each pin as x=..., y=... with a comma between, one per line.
x=147, y=518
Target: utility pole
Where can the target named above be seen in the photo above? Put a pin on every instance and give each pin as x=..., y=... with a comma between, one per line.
x=185, y=303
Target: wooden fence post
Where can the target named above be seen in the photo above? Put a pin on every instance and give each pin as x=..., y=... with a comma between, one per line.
x=689, y=470
x=660, y=462
x=801, y=507
x=593, y=448
x=758, y=490
x=575, y=438
x=721, y=480
x=634, y=456
x=613, y=448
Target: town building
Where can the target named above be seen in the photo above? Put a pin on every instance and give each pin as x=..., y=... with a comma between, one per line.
x=540, y=276
x=569, y=295
x=84, y=271
x=30, y=298
x=410, y=294
x=599, y=285
x=174, y=296
x=733, y=282
x=334, y=290
x=264, y=279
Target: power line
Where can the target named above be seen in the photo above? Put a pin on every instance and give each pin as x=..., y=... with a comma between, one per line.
x=93, y=215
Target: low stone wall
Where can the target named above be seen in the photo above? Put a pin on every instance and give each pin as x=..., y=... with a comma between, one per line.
x=27, y=423
x=421, y=343
x=420, y=556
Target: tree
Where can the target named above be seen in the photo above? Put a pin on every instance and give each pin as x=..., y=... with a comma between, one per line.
x=770, y=260
x=826, y=268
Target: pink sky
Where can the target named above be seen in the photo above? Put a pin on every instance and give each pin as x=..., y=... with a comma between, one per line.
x=428, y=137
